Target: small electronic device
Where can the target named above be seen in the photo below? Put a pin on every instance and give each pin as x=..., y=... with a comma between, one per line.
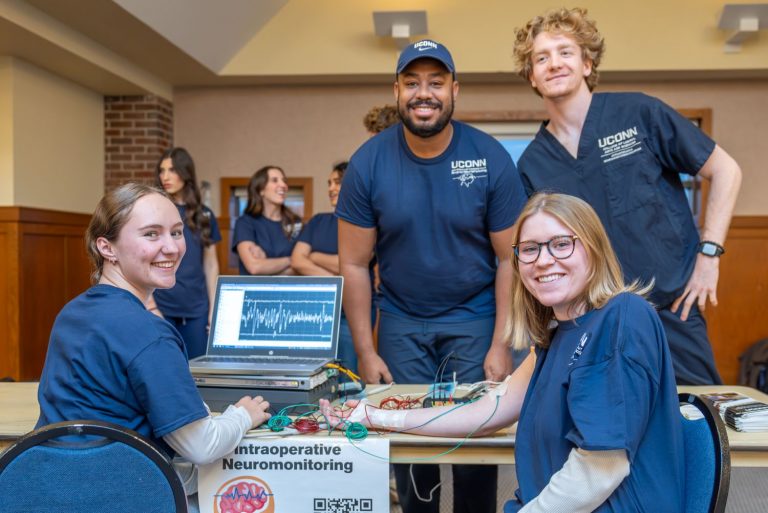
x=430, y=402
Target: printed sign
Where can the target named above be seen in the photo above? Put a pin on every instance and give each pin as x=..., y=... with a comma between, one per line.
x=315, y=475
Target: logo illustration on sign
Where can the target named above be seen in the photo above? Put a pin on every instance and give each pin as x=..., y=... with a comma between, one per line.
x=244, y=493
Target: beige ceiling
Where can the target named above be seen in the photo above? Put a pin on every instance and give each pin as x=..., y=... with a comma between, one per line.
x=139, y=46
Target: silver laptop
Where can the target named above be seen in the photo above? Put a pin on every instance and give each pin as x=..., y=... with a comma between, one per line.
x=272, y=325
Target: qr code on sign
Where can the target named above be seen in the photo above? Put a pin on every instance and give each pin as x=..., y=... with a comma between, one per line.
x=341, y=505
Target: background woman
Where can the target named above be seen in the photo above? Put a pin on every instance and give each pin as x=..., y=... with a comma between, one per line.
x=599, y=422
x=110, y=359
x=189, y=305
x=265, y=234
x=317, y=254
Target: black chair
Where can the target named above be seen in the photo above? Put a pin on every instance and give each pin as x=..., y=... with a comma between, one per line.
x=93, y=467
x=707, y=458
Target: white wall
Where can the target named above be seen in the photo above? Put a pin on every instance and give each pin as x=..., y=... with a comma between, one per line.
x=58, y=141
x=6, y=131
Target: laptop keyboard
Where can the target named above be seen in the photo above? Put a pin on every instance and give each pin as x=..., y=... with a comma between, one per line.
x=260, y=359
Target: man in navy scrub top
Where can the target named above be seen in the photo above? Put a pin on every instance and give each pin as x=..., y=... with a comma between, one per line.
x=436, y=199
x=622, y=153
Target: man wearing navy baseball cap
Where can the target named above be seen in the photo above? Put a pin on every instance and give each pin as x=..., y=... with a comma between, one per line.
x=423, y=50
x=436, y=199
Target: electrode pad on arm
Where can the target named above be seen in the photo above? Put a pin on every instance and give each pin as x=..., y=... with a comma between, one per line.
x=388, y=419
x=501, y=389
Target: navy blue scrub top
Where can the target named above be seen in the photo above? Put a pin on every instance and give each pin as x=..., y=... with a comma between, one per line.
x=322, y=235
x=606, y=382
x=266, y=234
x=630, y=154
x=110, y=359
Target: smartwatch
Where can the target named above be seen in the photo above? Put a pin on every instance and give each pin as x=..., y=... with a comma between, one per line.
x=710, y=249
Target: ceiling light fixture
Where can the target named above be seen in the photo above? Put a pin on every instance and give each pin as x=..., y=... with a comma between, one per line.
x=400, y=25
x=745, y=20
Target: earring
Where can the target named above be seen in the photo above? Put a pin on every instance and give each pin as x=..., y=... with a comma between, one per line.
x=113, y=261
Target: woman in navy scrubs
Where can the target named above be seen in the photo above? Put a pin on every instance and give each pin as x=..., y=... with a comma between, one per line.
x=317, y=254
x=189, y=304
x=265, y=234
x=599, y=423
x=110, y=359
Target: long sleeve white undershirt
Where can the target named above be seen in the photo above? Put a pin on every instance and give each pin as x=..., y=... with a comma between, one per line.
x=211, y=438
x=586, y=480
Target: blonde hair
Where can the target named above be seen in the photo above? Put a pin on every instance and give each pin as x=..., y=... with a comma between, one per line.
x=529, y=320
x=570, y=22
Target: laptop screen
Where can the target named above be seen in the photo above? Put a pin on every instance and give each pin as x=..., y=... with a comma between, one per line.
x=276, y=315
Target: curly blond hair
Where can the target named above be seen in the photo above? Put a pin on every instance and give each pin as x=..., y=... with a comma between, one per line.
x=570, y=22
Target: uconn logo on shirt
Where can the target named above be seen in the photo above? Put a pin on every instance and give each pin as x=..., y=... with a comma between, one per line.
x=467, y=171
x=619, y=145
x=579, y=349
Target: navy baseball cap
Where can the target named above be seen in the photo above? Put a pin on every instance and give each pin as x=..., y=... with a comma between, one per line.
x=425, y=49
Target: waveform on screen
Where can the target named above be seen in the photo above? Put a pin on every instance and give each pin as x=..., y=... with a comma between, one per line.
x=286, y=318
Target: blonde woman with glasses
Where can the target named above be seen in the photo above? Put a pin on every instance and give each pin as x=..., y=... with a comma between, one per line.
x=596, y=400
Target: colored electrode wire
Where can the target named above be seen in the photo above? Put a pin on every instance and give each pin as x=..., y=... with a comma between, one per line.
x=399, y=402
x=353, y=431
x=306, y=425
x=354, y=377
x=448, y=451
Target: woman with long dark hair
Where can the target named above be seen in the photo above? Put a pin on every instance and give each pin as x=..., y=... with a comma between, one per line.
x=265, y=234
x=188, y=305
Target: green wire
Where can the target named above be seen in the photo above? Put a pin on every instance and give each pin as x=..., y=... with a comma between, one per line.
x=356, y=431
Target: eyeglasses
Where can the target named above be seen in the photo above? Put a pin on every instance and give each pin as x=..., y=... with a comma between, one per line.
x=560, y=247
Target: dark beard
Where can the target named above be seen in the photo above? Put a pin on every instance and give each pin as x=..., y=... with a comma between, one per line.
x=426, y=131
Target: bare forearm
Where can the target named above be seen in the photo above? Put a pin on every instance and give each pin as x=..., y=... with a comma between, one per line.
x=499, y=408
x=304, y=266
x=503, y=288
x=268, y=265
x=211, y=271
x=725, y=177
x=357, y=306
x=325, y=260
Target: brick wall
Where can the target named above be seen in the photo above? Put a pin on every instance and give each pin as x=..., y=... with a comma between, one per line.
x=137, y=129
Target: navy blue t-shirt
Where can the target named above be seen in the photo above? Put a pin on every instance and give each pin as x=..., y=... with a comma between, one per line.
x=322, y=233
x=606, y=382
x=266, y=234
x=189, y=297
x=631, y=152
x=433, y=218
x=110, y=359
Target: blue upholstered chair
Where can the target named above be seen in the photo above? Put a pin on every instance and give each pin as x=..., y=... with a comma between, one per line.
x=707, y=458
x=88, y=466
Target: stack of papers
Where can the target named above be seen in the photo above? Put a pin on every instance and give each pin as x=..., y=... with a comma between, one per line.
x=739, y=411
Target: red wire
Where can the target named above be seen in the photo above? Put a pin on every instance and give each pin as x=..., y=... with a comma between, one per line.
x=398, y=402
x=306, y=425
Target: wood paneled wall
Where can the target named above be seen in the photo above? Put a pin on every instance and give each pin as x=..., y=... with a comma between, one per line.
x=43, y=264
x=740, y=319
